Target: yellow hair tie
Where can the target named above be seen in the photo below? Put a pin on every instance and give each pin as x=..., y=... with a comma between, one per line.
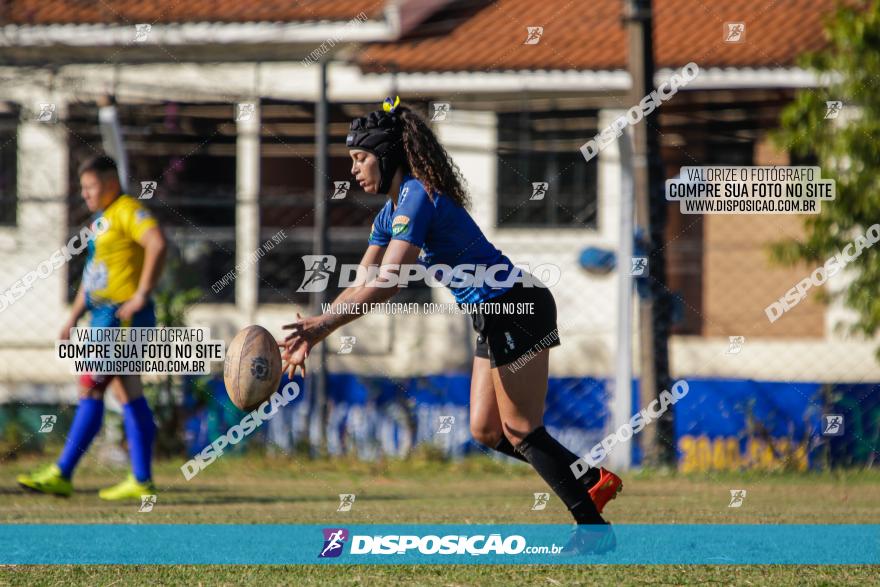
x=390, y=105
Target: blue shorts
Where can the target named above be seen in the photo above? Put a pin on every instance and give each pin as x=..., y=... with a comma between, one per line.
x=104, y=316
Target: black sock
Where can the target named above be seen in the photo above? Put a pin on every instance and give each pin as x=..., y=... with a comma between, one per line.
x=590, y=478
x=504, y=447
x=552, y=462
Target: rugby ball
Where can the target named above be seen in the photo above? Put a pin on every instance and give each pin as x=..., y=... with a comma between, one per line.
x=252, y=371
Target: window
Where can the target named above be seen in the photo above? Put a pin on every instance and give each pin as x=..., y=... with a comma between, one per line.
x=287, y=177
x=189, y=151
x=536, y=147
x=734, y=152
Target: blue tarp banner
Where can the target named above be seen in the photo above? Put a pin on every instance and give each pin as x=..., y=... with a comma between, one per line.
x=722, y=424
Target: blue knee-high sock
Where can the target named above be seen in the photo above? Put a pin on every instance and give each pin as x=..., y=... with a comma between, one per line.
x=140, y=431
x=86, y=425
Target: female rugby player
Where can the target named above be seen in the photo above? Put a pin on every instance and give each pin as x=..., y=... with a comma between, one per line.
x=394, y=152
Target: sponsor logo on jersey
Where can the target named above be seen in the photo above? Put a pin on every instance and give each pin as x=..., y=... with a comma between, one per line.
x=400, y=225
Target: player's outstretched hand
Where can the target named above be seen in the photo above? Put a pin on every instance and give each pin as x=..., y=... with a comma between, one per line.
x=293, y=356
x=305, y=333
x=311, y=329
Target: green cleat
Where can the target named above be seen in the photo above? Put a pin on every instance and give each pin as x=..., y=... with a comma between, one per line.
x=131, y=488
x=47, y=480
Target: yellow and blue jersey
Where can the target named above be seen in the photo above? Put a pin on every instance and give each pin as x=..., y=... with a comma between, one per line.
x=115, y=258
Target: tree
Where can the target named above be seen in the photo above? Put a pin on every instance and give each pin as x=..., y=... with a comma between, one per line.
x=172, y=305
x=847, y=149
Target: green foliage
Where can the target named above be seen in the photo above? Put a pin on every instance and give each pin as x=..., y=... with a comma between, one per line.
x=12, y=438
x=165, y=396
x=201, y=391
x=171, y=305
x=847, y=150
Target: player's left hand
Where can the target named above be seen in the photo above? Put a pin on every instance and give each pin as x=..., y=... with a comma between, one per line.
x=305, y=334
x=292, y=357
x=131, y=307
x=311, y=329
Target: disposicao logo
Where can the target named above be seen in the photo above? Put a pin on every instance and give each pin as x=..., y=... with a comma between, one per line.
x=334, y=540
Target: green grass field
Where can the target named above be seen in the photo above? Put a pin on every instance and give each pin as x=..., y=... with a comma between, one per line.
x=476, y=490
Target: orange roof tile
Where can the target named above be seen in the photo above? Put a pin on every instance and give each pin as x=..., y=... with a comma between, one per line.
x=484, y=35
x=590, y=35
x=35, y=12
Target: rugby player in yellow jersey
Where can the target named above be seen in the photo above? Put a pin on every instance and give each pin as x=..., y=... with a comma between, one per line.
x=123, y=266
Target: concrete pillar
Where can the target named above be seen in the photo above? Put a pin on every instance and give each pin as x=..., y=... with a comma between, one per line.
x=470, y=138
x=41, y=223
x=608, y=161
x=247, y=206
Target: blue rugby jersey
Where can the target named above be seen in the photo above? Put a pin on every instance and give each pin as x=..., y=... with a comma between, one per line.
x=447, y=235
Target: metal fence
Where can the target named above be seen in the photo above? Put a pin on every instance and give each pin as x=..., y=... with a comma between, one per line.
x=760, y=390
